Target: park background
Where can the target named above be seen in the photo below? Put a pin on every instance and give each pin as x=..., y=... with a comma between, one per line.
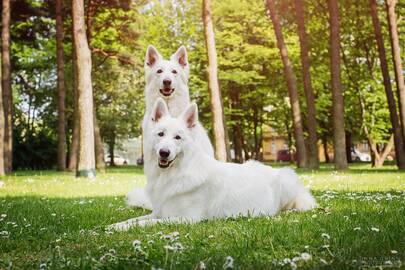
x=256, y=100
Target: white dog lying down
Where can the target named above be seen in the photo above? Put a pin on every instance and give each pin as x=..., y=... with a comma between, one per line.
x=189, y=185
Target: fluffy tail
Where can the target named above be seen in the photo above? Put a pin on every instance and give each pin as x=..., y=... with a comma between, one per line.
x=297, y=196
x=138, y=198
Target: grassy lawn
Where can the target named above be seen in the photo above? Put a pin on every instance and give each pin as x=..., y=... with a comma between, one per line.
x=51, y=220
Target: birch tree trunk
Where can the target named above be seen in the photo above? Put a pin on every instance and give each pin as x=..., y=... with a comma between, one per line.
x=292, y=87
x=61, y=88
x=215, y=95
x=396, y=57
x=339, y=138
x=98, y=142
x=6, y=87
x=398, y=139
x=313, y=157
x=86, y=160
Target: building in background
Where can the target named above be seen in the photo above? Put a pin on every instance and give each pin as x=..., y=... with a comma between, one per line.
x=129, y=150
x=272, y=144
x=275, y=148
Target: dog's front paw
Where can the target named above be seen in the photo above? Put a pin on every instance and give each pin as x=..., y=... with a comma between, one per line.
x=144, y=223
x=120, y=226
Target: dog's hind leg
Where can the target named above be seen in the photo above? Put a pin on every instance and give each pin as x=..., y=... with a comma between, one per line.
x=304, y=200
x=170, y=220
x=295, y=194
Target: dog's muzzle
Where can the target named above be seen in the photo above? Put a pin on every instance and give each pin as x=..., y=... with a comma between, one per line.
x=164, y=162
x=166, y=91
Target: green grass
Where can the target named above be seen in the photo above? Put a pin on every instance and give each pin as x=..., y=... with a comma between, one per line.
x=51, y=220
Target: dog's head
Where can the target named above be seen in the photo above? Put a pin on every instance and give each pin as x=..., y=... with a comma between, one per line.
x=171, y=136
x=166, y=76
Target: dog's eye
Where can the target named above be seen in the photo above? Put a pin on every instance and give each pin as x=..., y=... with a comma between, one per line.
x=161, y=134
x=177, y=137
x=159, y=70
x=174, y=71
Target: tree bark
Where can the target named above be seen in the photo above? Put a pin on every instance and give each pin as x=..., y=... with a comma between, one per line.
x=86, y=162
x=396, y=57
x=386, y=151
x=292, y=87
x=74, y=147
x=237, y=129
x=213, y=85
x=325, y=148
x=339, y=140
x=100, y=164
x=6, y=87
x=313, y=157
x=2, y=129
x=98, y=143
x=398, y=139
x=111, y=146
x=348, y=146
x=255, y=134
x=61, y=88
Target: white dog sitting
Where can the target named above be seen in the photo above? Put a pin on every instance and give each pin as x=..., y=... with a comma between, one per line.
x=187, y=185
x=167, y=79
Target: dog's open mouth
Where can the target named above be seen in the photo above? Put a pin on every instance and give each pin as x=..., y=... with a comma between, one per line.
x=166, y=91
x=164, y=163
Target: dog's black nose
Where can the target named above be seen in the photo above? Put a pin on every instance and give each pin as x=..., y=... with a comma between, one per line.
x=164, y=153
x=167, y=82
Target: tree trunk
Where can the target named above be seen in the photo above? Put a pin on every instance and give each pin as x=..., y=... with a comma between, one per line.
x=348, y=146
x=215, y=95
x=292, y=87
x=61, y=88
x=396, y=57
x=339, y=142
x=255, y=135
x=86, y=163
x=398, y=139
x=325, y=148
x=111, y=146
x=2, y=128
x=6, y=87
x=98, y=143
x=313, y=157
x=237, y=129
x=387, y=150
x=74, y=147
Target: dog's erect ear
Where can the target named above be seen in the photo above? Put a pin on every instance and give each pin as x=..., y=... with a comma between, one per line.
x=152, y=56
x=180, y=56
x=159, y=110
x=190, y=115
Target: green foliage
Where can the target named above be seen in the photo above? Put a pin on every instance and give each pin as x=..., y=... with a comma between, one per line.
x=250, y=70
x=117, y=76
x=34, y=81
